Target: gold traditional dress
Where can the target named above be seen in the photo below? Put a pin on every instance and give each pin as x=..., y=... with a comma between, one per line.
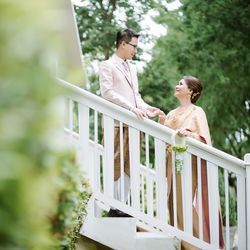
x=194, y=120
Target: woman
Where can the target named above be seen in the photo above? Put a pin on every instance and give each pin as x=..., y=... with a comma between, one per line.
x=189, y=120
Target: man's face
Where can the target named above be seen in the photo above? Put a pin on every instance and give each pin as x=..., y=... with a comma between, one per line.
x=130, y=48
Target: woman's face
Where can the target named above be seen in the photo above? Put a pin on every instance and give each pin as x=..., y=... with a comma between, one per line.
x=182, y=90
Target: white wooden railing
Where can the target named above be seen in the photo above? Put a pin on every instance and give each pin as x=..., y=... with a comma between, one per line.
x=89, y=115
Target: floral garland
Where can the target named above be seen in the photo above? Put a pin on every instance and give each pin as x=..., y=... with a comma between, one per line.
x=179, y=162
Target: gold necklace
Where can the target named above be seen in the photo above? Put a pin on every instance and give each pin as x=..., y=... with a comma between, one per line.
x=180, y=111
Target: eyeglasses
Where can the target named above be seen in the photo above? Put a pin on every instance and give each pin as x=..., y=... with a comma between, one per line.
x=135, y=46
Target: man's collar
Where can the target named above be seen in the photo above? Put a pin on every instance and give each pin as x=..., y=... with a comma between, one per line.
x=119, y=59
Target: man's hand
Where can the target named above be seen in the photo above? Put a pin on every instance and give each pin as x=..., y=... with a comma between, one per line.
x=152, y=111
x=140, y=113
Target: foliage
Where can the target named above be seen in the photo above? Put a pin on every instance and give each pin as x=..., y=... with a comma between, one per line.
x=162, y=73
x=179, y=148
x=30, y=118
x=204, y=40
x=72, y=204
x=99, y=21
x=226, y=54
x=28, y=148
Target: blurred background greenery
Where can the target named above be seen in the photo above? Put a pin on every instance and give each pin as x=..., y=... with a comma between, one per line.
x=42, y=196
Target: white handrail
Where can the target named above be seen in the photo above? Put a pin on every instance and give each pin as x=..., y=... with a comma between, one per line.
x=157, y=130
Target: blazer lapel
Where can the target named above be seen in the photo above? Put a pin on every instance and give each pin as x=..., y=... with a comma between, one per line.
x=119, y=67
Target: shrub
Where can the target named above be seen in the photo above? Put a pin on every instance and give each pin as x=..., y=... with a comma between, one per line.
x=33, y=168
x=72, y=202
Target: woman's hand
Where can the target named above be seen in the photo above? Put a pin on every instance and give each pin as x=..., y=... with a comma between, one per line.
x=162, y=119
x=184, y=132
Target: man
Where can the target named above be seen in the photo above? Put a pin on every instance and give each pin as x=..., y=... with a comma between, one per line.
x=119, y=85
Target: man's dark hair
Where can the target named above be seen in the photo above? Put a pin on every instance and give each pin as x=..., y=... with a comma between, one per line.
x=126, y=36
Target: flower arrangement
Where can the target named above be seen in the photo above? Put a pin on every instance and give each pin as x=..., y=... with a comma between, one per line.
x=179, y=162
x=179, y=150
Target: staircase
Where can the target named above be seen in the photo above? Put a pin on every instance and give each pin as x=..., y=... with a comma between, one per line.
x=87, y=117
x=124, y=234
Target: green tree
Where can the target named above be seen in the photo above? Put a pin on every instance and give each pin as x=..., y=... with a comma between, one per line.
x=219, y=32
x=98, y=22
x=163, y=71
x=210, y=41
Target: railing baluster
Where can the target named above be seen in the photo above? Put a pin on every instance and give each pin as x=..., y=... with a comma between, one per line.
x=174, y=188
x=213, y=201
x=134, y=156
x=241, y=212
x=187, y=202
x=96, y=155
x=142, y=193
x=151, y=196
x=161, y=187
x=122, y=162
x=83, y=121
x=227, y=208
x=66, y=108
x=70, y=121
x=98, y=175
x=200, y=205
x=108, y=166
x=149, y=201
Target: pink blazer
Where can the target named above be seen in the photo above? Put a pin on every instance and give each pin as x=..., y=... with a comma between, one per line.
x=119, y=86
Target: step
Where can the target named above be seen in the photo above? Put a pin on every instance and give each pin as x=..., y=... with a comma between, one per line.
x=117, y=233
x=120, y=233
x=85, y=243
x=149, y=241
x=123, y=233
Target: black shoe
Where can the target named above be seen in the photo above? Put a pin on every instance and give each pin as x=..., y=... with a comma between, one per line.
x=117, y=213
x=122, y=214
x=112, y=213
